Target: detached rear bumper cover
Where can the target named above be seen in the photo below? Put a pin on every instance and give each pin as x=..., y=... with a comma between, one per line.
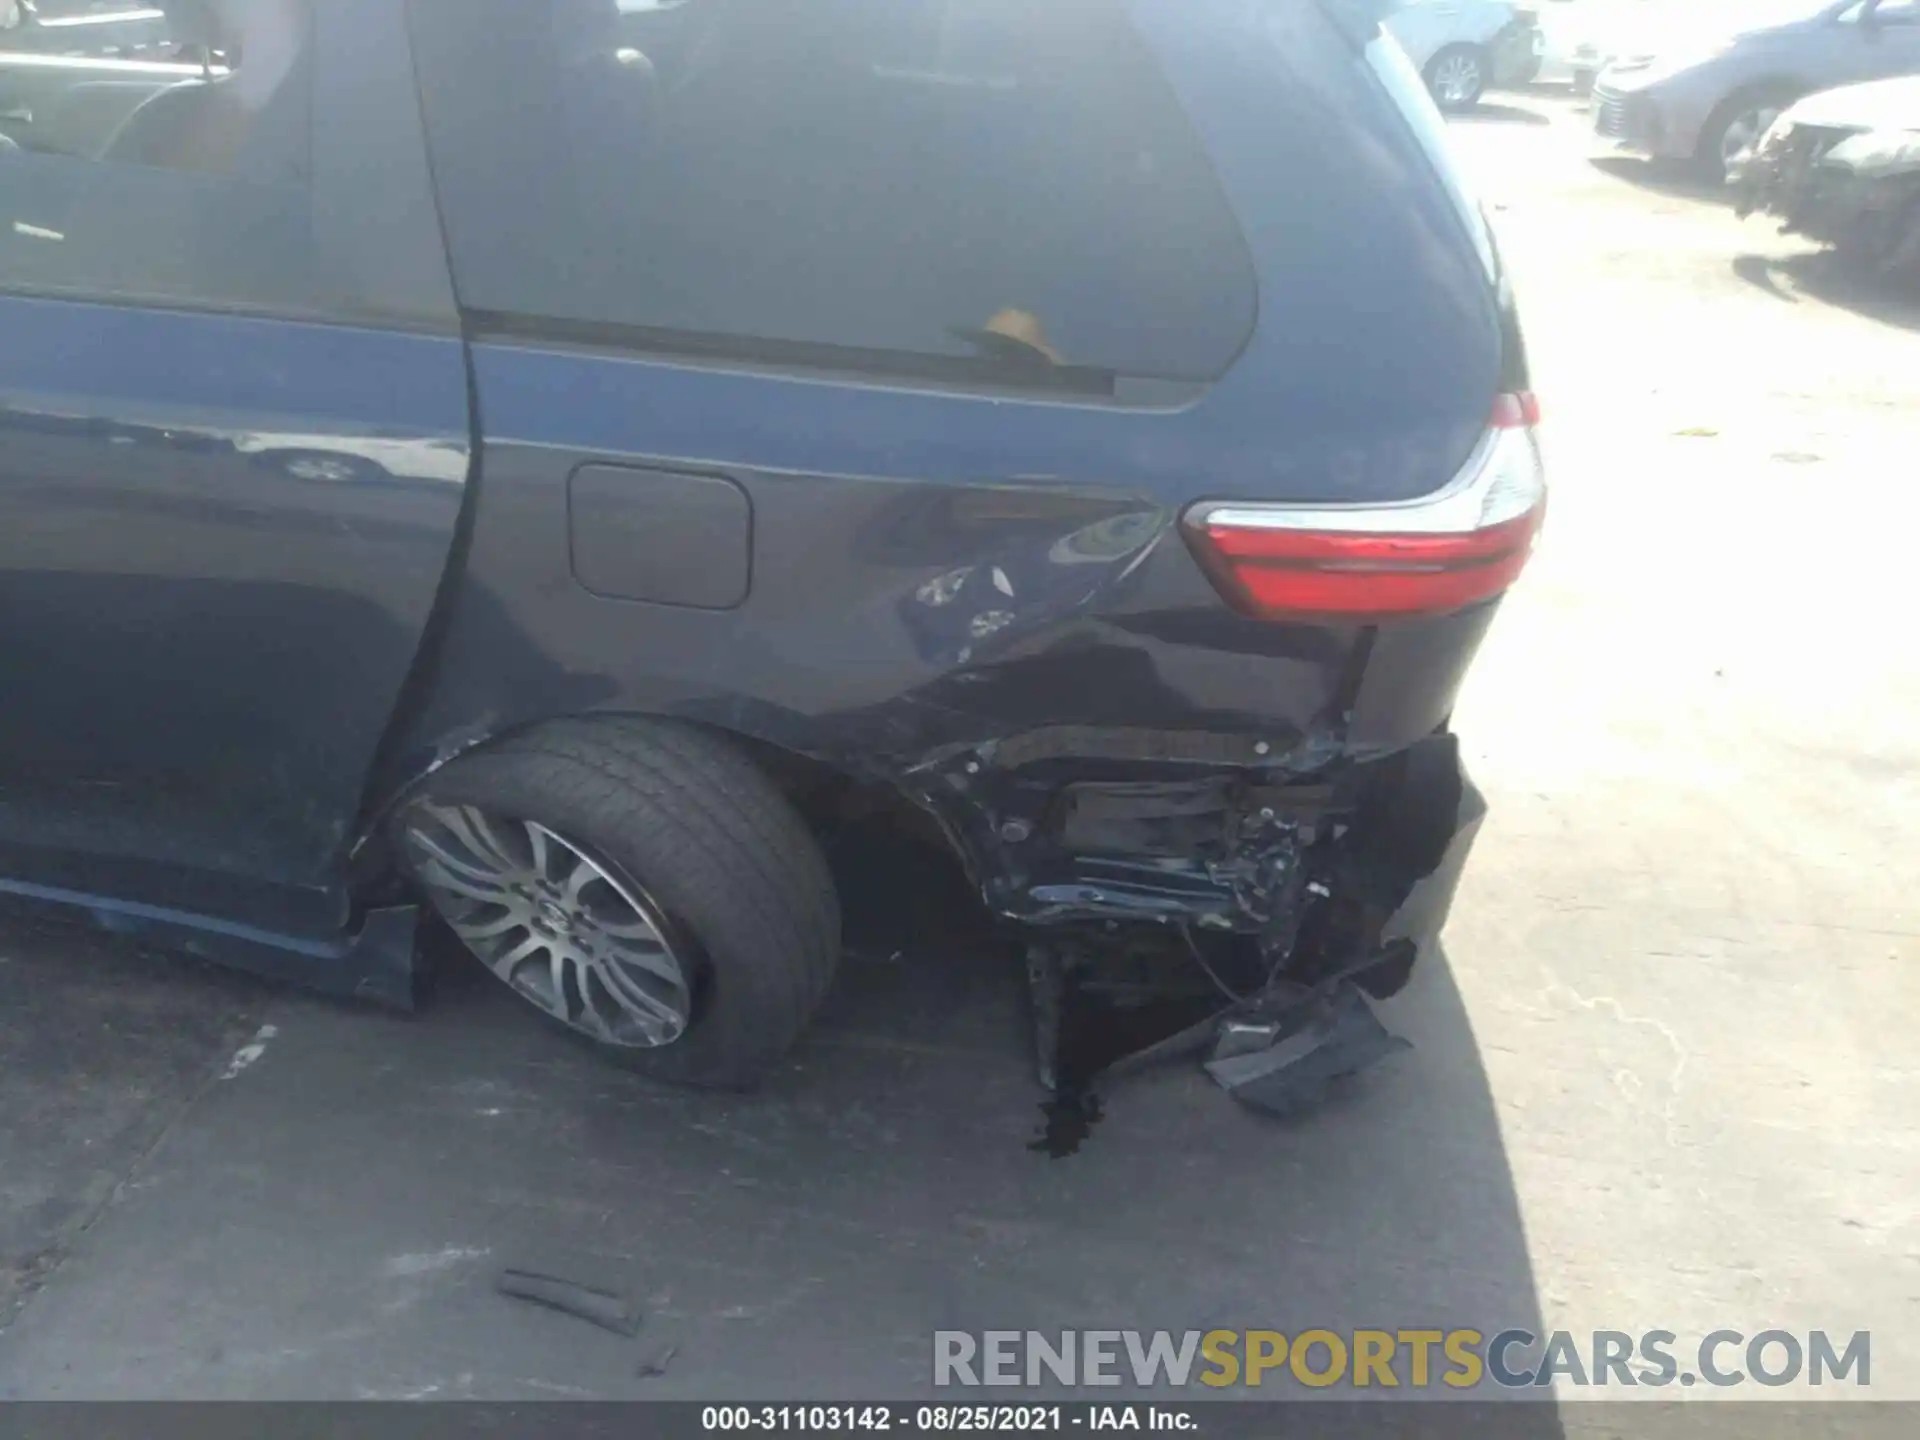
x=1350, y=869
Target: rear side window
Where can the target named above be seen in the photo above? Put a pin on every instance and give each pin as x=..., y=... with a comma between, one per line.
x=156, y=152
x=1001, y=188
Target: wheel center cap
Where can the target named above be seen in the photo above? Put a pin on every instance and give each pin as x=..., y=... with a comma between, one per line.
x=553, y=916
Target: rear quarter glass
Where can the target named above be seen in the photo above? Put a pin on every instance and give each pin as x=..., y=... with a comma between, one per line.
x=1375, y=346
x=1382, y=339
x=965, y=180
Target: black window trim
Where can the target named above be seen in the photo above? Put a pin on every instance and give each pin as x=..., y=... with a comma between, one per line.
x=429, y=327
x=980, y=372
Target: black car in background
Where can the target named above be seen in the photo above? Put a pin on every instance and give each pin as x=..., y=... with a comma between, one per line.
x=520, y=455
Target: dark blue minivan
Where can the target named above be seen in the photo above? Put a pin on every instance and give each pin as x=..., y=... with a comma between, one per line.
x=517, y=456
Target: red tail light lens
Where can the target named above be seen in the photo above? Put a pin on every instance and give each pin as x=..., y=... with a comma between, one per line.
x=1464, y=543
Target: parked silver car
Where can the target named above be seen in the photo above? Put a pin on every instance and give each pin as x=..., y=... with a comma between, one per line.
x=1710, y=96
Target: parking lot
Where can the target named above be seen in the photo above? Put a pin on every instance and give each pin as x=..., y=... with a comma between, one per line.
x=1667, y=1078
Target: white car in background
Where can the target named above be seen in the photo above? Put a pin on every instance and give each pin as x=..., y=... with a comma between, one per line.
x=1461, y=47
x=1580, y=36
x=1583, y=37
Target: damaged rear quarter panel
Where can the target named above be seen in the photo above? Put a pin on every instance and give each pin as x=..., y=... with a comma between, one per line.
x=1045, y=631
x=952, y=576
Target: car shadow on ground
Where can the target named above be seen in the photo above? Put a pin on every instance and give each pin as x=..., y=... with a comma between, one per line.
x=1497, y=113
x=331, y=1222
x=1662, y=177
x=1826, y=277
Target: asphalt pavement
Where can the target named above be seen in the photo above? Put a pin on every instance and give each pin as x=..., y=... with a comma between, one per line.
x=1665, y=1078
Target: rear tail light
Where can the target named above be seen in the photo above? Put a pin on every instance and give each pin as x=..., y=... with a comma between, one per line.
x=1462, y=544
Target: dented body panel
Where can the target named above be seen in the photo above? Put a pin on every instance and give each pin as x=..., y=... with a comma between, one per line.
x=1026, y=662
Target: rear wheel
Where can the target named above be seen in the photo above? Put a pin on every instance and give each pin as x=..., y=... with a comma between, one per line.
x=1457, y=76
x=640, y=883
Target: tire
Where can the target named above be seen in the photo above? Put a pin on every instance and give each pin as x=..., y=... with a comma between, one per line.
x=703, y=871
x=1457, y=76
x=1583, y=82
x=1710, y=148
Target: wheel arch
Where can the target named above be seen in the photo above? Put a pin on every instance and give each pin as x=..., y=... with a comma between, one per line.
x=1482, y=48
x=777, y=746
x=1784, y=84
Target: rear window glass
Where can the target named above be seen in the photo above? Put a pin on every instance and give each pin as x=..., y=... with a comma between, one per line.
x=1002, y=184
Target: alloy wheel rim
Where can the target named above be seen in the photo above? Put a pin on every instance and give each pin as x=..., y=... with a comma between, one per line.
x=1745, y=131
x=565, y=929
x=1456, y=78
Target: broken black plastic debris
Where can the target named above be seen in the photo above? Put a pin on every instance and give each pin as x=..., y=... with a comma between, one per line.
x=1278, y=1049
x=597, y=1307
x=1282, y=1059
